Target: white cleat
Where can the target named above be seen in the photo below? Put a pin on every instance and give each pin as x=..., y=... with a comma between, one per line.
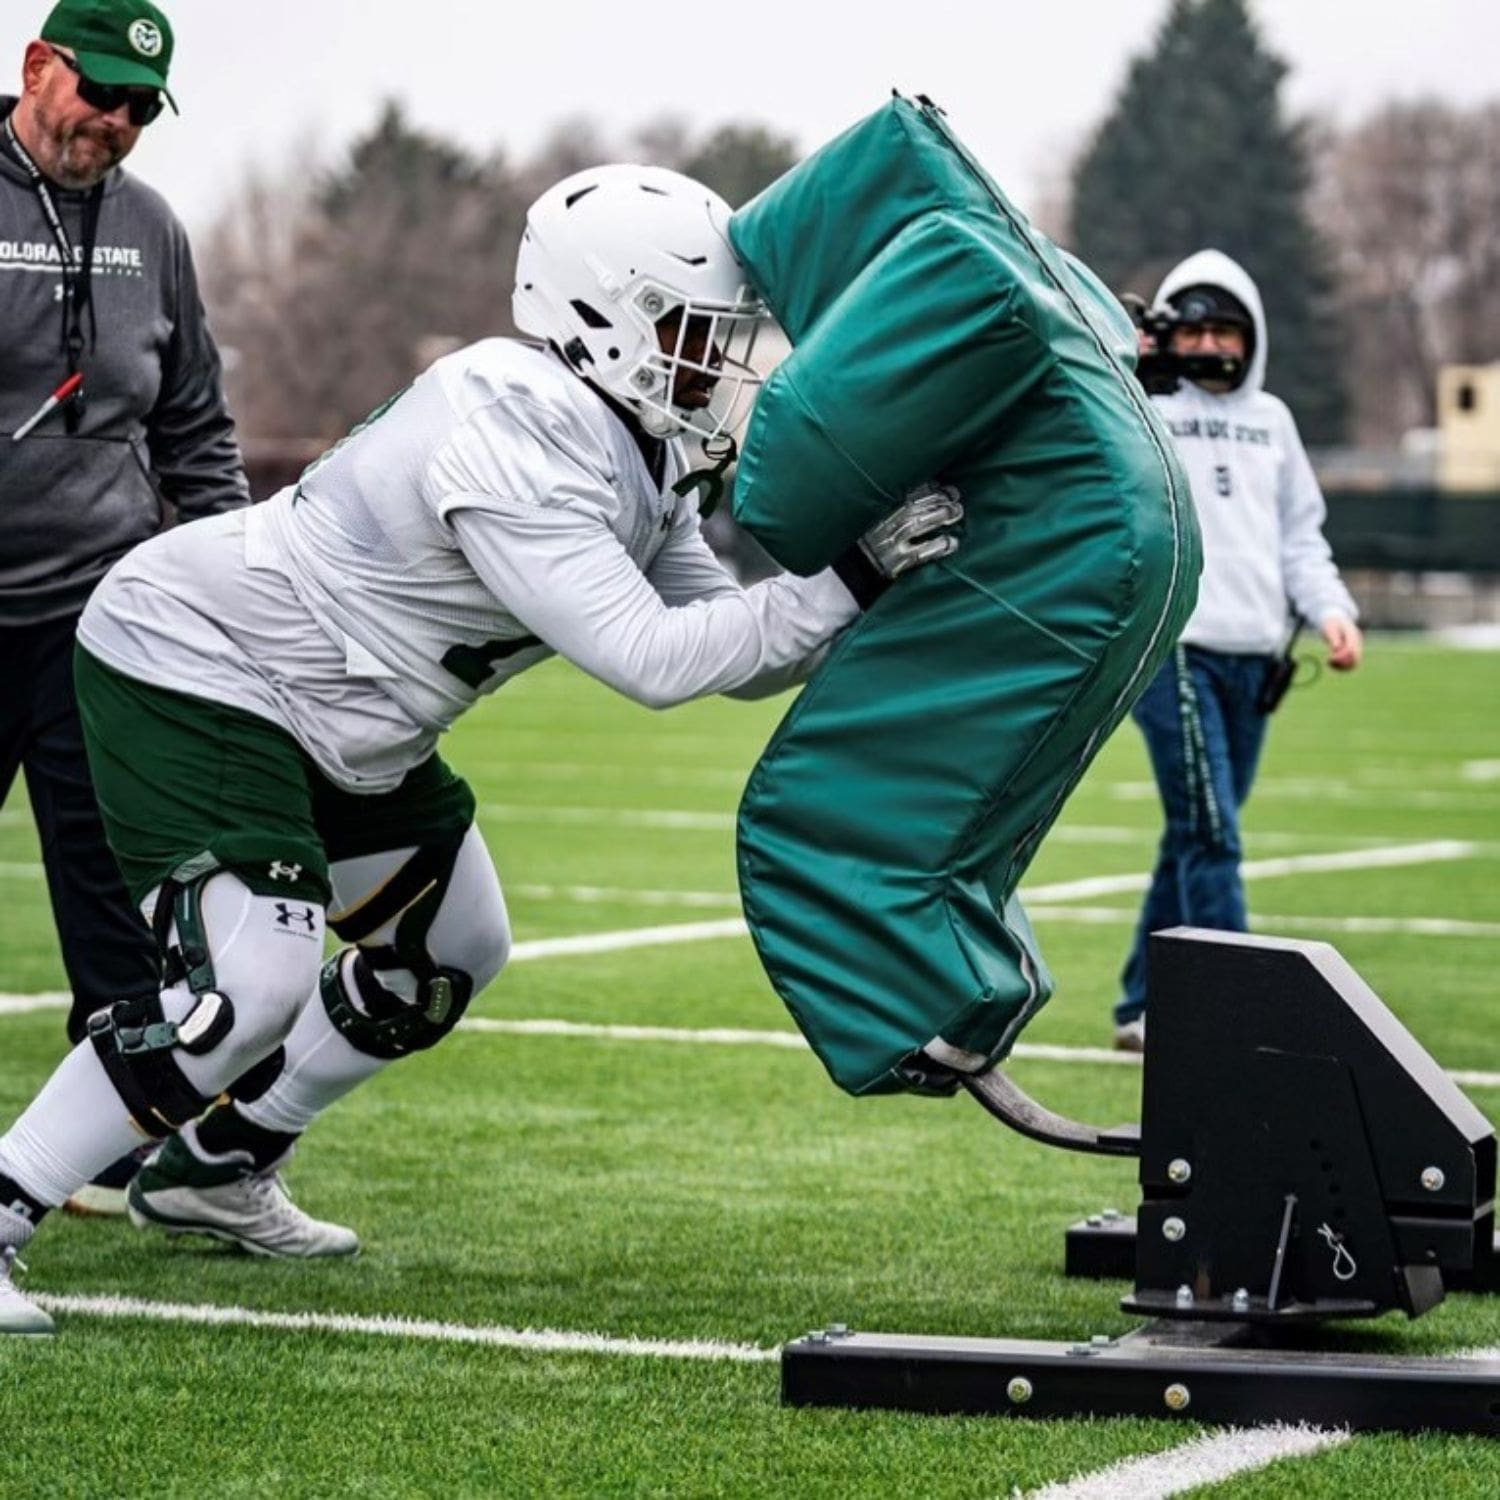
x=180, y=1193
x=18, y=1314
x=93, y=1201
x=104, y=1197
x=1131, y=1036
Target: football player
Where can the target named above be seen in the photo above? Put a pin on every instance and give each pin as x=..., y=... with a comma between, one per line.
x=263, y=694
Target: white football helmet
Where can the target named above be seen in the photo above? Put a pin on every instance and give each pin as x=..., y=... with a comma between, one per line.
x=617, y=260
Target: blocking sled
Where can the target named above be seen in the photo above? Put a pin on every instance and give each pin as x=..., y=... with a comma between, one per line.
x=1302, y=1161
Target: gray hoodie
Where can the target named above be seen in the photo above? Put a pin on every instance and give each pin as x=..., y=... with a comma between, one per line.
x=1258, y=502
x=154, y=425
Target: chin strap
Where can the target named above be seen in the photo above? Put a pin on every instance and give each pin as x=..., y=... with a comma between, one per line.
x=720, y=451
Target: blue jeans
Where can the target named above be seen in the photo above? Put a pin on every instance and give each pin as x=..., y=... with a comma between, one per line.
x=1204, y=733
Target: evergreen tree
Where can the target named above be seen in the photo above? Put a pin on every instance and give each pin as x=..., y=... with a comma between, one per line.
x=1196, y=152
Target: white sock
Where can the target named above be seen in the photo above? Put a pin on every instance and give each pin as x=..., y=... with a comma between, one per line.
x=70, y=1132
x=320, y=1068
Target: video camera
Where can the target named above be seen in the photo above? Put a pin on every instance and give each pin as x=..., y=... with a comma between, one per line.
x=1157, y=367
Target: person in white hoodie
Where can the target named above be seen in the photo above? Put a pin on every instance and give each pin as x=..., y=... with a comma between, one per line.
x=1265, y=562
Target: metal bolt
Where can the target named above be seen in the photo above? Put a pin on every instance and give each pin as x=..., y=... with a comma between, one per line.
x=1179, y=1170
x=1173, y=1228
x=1095, y=1221
x=644, y=379
x=1099, y=1340
x=1241, y=1300
x=1110, y=1215
x=819, y=1337
x=838, y=1330
x=1184, y=1295
x=1019, y=1390
x=652, y=302
x=1433, y=1179
x=1177, y=1396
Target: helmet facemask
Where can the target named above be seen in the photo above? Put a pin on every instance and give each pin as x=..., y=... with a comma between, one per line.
x=696, y=373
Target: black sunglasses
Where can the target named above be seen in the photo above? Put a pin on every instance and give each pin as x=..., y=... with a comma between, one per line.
x=144, y=104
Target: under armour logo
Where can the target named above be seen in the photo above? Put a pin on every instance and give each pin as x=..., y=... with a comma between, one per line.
x=281, y=871
x=286, y=915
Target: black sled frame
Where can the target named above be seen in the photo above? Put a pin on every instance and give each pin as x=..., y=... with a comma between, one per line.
x=1302, y=1160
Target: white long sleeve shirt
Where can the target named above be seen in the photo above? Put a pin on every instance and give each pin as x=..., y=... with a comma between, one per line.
x=1258, y=501
x=495, y=513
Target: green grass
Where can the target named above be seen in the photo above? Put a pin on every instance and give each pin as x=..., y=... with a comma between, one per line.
x=666, y=1191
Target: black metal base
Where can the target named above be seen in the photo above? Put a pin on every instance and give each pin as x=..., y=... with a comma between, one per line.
x=1195, y=1372
x=1102, y=1247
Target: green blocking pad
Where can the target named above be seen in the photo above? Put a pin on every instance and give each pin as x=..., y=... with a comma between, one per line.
x=937, y=335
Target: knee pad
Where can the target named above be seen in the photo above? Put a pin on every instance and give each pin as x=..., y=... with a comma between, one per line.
x=393, y=997
x=168, y=1054
x=135, y=1042
x=361, y=997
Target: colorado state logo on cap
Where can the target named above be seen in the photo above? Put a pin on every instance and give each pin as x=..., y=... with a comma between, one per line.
x=145, y=37
x=117, y=42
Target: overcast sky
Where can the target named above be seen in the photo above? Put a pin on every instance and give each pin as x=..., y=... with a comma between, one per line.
x=260, y=80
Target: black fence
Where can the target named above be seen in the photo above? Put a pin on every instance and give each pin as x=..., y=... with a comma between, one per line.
x=1414, y=530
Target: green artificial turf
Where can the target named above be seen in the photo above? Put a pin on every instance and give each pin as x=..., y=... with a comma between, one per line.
x=656, y=1190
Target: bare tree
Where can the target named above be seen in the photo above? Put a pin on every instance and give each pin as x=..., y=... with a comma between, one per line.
x=1410, y=201
x=335, y=287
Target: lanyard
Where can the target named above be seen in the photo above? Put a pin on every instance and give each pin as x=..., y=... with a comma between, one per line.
x=76, y=271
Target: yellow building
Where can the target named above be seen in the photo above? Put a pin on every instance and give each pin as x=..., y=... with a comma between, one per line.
x=1468, y=412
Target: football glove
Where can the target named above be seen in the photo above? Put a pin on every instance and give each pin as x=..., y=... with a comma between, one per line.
x=918, y=531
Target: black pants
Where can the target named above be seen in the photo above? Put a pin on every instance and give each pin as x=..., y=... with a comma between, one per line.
x=107, y=948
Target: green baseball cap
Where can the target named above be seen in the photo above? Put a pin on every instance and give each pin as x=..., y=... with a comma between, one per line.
x=115, y=41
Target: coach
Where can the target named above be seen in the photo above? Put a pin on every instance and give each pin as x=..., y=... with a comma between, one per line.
x=111, y=409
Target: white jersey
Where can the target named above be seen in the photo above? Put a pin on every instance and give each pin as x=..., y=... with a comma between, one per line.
x=494, y=513
x=1258, y=501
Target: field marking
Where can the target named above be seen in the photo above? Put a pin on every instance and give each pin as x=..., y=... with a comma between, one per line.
x=1317, y=789
x=1209, y=1459
x=21, y=1005
x=725, y=1036
x=609, y=817
x=1267, y=922
x=1388, y=857
x=708, y=1036
x=542, y=1340
x=630, y=937
x=698, y=820
x=619, y=895
x=1480, y=770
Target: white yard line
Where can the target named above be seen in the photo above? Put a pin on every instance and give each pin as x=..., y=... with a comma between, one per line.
x=1318, y=789
x=708, y=1036
x=1210, y=1459
x=723, y=1036
x=728, y=1036
x=21, y=1005
x=1388, y=857
x=543, y=1340
x=617, y=895
x=1268, y=922
x=608, y=817
x=631, y=937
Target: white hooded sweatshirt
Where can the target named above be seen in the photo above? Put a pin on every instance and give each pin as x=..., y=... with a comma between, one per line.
x=1258, y=501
